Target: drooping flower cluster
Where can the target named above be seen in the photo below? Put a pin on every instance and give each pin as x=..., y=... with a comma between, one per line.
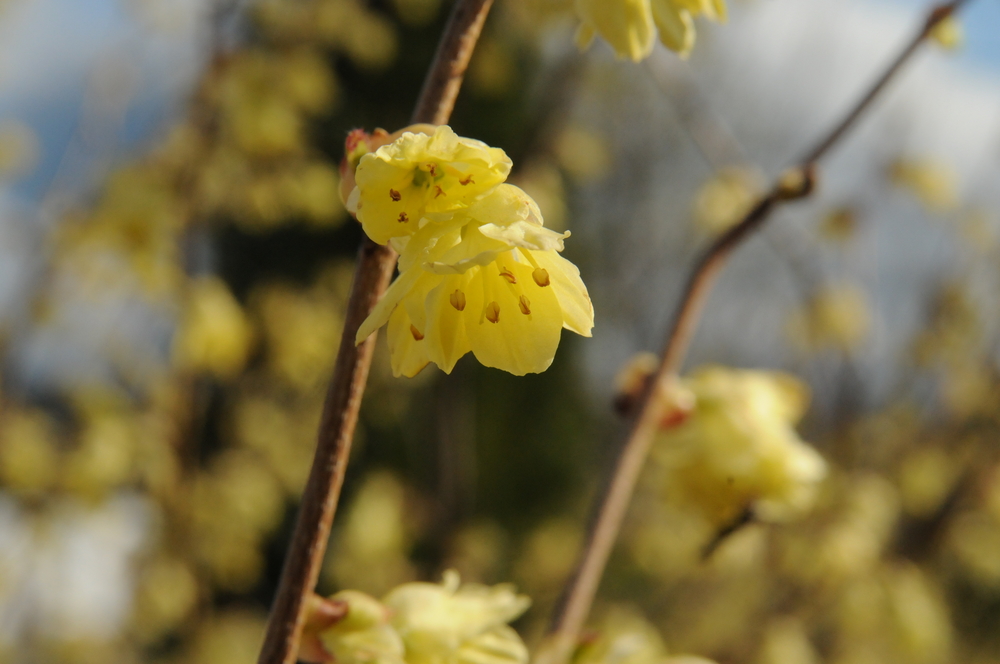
x=729, y=445
x=478, y=270
x=427, y=623
x=630, y=26
x=738, y=447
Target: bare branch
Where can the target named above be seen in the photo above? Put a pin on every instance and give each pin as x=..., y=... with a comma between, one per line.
x=613, y=502
x=372, y=273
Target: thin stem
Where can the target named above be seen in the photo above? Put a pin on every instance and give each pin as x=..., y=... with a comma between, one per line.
x=798, y=182
x=373, y=271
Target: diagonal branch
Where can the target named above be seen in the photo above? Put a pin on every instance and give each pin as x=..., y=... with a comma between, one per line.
x=796, y=183
x=372, y=273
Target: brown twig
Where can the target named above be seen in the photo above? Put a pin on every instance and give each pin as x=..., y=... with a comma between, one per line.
x=797, y=182
x=374, y=268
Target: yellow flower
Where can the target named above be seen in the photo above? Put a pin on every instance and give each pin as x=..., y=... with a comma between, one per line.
x=420, y=173
x=364, y=635
x=948, y=33
x=448, y=624
x=737, y=449
x=487, y=279
x=625, y=24
x=630, y=25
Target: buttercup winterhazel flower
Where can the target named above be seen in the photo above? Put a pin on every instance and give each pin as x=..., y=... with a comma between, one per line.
x=737, y=449
x=453, y=624
x=419, y=173
x=487, y=279
x=630, y=26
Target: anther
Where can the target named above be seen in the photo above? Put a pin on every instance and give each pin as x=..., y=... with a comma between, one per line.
x=508, y=275
x=493, y=312
x=403, y=218
x=541, y=277
x=457, y=300
x=395, y=195
x=416, y=333
x=467, y=180
x=525, y=305
x=432, y=169
x=438, y=191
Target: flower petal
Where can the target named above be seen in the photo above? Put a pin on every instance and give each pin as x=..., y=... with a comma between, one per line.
x=626, y=24
x=446, y=339
x=505, y=337
x=408, y=355
x=676, y=26
x=569, y=289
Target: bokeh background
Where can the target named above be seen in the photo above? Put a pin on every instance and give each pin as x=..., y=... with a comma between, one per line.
x=174, y=263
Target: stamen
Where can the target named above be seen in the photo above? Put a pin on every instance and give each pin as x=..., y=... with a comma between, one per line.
x=493, y=312
x=432, y=168
x=395, y=195
x=438, y=191
x=457, y=300
x=403, y=218
x=525, y=305
x=467, y=180
x=508, y=275
x=541, y=277
x=416, y=333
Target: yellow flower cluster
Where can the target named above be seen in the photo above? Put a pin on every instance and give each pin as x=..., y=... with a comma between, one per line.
x=478, y=270
x=737, y=448
x=630, y=26
x=428, y=623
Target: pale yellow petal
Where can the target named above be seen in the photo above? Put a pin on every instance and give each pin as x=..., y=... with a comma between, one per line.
x=399, y=289
x=408, y=355
x=526, y=235
x=446, y=339
x=676, y=26
x=474, y=250
x=504, y=205
x=569, y=289
x=500, y=333
x=627, y=25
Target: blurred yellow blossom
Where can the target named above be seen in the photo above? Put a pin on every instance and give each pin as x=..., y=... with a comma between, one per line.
x=725, y=199
x=839, y=224
x=373, y=542
x=167, y=593
x=926, y=477
x=948, y=33
x=232, y=637
x=417, y=12
x=623, y=637
x=29, y=460
x=214, y=335
x=583, y=153
x=493, y=69
x=837, y=316
x=298, y=325
x=738, y=450
x=933, y=183
x=455, y=624
x=630, y=26
x=364, y=635
x=104, y=456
